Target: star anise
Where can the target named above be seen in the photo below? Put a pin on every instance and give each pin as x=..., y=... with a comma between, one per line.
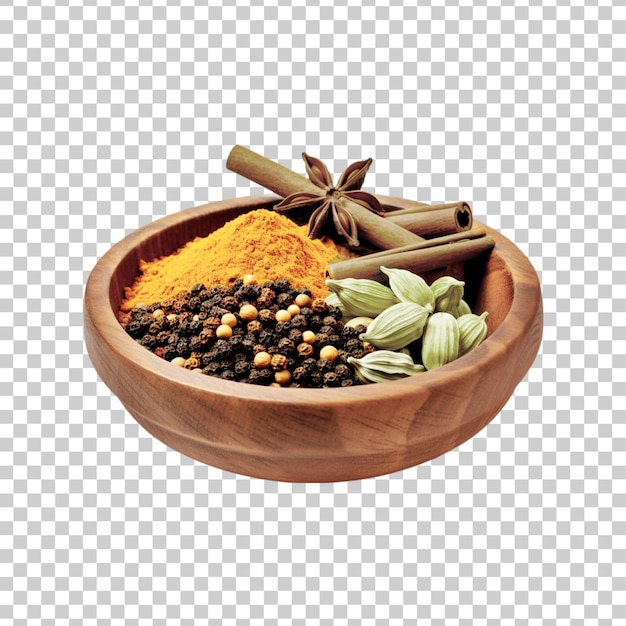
x=326, y=206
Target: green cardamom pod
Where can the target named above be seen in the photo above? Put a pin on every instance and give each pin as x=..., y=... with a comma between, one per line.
x=397, y=326
x=361, y=320
x=440, y=343
x=461, y=309
x=361, y=296
x=448, y=292
x=472, y=331
x=409, y=287
x=384, y=365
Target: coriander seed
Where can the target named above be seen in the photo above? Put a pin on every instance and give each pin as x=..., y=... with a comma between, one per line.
x=293, y=309
x=283, y=315
x=330, y=353
x=262, y=360
x=303, y=299
x=282, y=377
x=229, y=319
x=308, y=336
x=224, y=331
x=248, y=312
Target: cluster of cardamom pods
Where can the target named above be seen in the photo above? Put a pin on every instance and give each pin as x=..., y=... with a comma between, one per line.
x=413, y=326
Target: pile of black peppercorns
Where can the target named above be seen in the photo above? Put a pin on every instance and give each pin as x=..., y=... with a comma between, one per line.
x=269, y=334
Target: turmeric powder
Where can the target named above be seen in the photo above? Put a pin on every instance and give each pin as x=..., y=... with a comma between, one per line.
x=262, y=243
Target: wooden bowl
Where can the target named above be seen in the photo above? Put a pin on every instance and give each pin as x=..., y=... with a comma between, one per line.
x=312, y=435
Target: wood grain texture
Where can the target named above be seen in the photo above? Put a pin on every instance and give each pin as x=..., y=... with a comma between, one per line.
x=312, y=435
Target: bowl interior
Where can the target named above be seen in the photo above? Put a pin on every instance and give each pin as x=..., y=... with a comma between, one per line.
x=488, y=280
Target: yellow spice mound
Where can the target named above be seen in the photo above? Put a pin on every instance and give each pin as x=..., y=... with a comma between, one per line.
x=262, y=243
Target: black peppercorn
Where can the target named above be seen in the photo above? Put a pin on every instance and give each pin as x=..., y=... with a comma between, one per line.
x=319, y=305
x=331, y=379
x=300, y=374
x=321, y=339
x=324, y=365
x=135, y=329
x=343, y=371
x=162, y=337
x=182, y=347
x=267, y=317
x=348, y=332
x=265, y=337
x=282, y=285
x=148, y=341
x=299, y=322
x=157, y=325
x=223, y=348
x=242, y=369
x=330, y=321
x=193, y=304
x=260, y=377
x=295, y=335
x=169, y=352
x=316, y=379
x=282, y=328
x=230, y=303
x=211, y=368
x=194, y=326
x=315, y=322
x=286, y=345
x=207, y=336
x=305, y=350
x=352, y=345
x=212, y=322
x=247, y=344
x=247, y=293
x=283, y=300
x=309, y=364
x=196, y=344
x=254, y=327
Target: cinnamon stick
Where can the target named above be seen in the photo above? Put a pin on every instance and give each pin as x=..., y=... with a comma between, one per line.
x=435, y=219
x=391, y=203
x=418, y=260
x=378, y=230
x=474, y=233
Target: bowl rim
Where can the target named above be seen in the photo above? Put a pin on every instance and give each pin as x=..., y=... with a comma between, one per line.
x=99, y=313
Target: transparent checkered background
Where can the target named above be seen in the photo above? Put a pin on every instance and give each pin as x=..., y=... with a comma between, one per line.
x=113, y=116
